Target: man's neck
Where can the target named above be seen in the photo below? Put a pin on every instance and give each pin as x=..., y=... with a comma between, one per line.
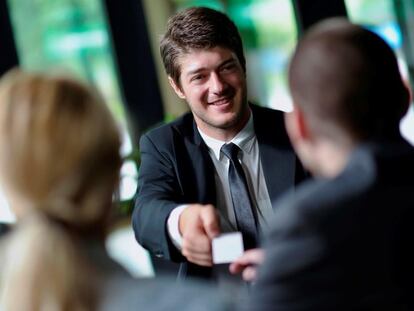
x=332, y=158
x=224, y=134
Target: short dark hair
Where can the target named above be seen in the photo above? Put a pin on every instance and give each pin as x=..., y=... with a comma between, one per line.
x=198, y=28
x=346, y=77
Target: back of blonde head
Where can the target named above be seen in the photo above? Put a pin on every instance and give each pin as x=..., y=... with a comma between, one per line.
x=59, y=163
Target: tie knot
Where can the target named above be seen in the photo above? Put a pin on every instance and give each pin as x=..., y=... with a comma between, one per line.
x=231, y=151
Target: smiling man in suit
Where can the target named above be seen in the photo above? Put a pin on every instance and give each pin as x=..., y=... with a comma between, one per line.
x=185, y=196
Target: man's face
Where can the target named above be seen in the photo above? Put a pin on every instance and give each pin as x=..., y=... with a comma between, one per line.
x=214, y=85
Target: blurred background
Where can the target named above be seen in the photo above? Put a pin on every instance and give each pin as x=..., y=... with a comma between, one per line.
x=113, y=45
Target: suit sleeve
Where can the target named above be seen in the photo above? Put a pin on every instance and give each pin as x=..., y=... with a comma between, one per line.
x=158, y=194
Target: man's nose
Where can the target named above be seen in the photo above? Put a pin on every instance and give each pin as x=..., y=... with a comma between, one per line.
x=217, y=84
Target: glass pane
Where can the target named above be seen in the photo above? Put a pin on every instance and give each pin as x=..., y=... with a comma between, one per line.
x=268, y=30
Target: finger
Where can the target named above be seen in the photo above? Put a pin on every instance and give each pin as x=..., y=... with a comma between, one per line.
x=236, y=268
x=198, y=257
x=201, y=263
x=187, y=251
x=210, y=221
x=197, y=242
x=250, y=273
x=189, y=219
x=202, y=260
x=251, y=257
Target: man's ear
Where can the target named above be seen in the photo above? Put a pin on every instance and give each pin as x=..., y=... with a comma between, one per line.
x=407, y=99
x=301, y=137
x=296, y=126
x=176, y=88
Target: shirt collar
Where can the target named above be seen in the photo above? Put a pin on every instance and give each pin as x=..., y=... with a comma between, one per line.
x=244, y=139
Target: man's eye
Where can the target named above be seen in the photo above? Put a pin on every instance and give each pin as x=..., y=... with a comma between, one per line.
x=197, y=78
x=228, y=67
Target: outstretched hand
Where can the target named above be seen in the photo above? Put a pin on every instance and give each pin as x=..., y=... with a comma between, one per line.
x=198, y=225
x=247, y=264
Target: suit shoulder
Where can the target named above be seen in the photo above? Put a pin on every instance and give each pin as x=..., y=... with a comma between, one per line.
x=165, y=132
x=317, y=201
x=265, y=112
x=270, y=126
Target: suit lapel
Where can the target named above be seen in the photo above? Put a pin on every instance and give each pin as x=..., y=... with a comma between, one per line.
x=276, y=155
x=278, y=169
x=199, y=166
x=205, y=174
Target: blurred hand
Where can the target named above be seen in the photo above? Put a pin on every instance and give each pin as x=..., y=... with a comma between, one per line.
x=247, y=264
x=198, y=225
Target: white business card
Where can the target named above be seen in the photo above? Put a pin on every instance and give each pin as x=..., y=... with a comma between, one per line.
x=227, y=247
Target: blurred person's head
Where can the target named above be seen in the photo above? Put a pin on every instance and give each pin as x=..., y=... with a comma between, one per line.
x=346, y=89
x=59, y=167
x=203, y=57
x=59, y=149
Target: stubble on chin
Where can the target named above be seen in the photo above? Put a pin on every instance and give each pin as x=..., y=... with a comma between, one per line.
x=238, y=120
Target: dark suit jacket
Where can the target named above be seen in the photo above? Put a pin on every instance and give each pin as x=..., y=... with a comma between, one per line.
x=345, y=243
x=176, y=169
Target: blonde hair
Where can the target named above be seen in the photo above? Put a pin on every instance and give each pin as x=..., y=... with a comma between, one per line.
x=59, y=154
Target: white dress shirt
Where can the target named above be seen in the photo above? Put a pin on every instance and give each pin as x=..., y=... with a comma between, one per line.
x=250, y=160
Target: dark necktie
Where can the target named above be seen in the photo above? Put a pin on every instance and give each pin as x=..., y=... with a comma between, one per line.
x=242, y=203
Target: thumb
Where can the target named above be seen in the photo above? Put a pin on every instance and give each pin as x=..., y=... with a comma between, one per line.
x=210, y=221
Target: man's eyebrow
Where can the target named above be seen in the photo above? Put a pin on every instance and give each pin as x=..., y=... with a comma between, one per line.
x=228, y=61
x=198, y=70
x=195, y=71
